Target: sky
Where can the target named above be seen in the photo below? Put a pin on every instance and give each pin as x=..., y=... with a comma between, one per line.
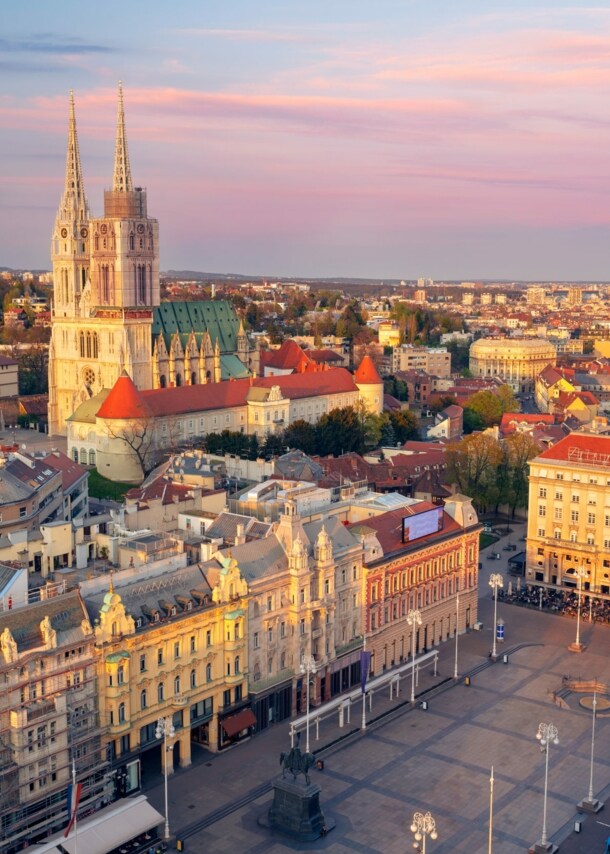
x=452, y=139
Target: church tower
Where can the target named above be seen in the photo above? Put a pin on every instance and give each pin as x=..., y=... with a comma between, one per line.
x=106, y=284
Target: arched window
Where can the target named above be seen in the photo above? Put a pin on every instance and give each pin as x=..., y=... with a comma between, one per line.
x=208, y=673
x=115, y=629
x=75, y=454
x=193, y=378
x=83, y=456
x=236, y=668
x=95, y=345
x=121, y=713
x=91, y=458
x=193, y=679
x=82, y=345
x=120, y=674
x=178, y=380
x=176, y=686
x=160, y=692
x=143, y=699
x=163, y=381
x=132, y=241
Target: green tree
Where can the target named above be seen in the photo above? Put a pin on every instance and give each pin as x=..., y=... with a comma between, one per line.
x=302, y=435
x=473, y=465
x=273, y=446
x=388, y=434
x=339, y=432
x=405, y=425
x=33, y=370
x=472, y=421
x=487, y=405
x=519, y=449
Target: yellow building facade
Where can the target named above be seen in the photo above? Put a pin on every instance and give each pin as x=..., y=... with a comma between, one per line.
x=516, y=361
x=172, y=646
x=569, y=514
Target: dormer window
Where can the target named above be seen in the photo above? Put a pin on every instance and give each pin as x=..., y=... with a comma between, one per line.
x=139, y=623
x=189, y=605
x=156, y=617
x=173, y=611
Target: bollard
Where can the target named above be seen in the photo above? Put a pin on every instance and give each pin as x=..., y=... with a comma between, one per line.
x=466, y=680
x=424, y=705
x=505, y=659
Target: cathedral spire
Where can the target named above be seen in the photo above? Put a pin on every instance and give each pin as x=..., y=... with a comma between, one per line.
x=73, y=201
x=121, y=181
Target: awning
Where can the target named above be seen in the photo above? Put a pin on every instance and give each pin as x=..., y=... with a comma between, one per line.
x=235, y=723
x=107, y=829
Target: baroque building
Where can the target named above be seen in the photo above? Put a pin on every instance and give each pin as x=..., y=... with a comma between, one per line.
x=107, y=315
x=172, y=645
x=49, y=723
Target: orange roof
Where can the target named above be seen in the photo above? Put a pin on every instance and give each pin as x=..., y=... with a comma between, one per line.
x=289, y=357
x=124, y=401
x=580, y=448
x=367, y=372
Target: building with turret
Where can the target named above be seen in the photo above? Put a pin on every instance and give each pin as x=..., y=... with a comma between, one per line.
x=107, y=317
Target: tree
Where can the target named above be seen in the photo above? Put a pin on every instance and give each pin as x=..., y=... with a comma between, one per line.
x=473, y=465
x=488, y=406
x=139, y=435
x=405, y=425
x=472, y=421
x=339, y=432
x=302, y=435
x=388, y=434
x=508, y=401
x=33, y=370
x=273, y=446
x=519, y=449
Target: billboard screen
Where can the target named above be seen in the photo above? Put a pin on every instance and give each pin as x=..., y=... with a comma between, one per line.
x=428, y=522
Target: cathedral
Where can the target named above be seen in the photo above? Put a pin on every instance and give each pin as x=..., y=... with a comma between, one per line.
x=107, y=316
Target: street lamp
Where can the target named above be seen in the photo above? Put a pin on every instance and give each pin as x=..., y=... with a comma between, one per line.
x=165, y=729
x=422, y=826
x=546, y=734
x=591, y=804
x=577, y=646
x=495, y=581
x=308, y=666
x=414, y=620
x=457, y=631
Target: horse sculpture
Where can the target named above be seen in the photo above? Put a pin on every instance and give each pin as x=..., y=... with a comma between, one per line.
x=297, y=763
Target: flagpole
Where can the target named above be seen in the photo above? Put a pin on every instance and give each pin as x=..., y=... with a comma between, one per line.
x=75, y=808
x=364, y=682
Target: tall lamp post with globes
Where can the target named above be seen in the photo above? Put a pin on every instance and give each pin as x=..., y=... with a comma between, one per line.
x=423, y=825
x=547, y=734
x=577, y=646
x=495, y=581
x=165, y=729
x=414, y=620
x=308, y=668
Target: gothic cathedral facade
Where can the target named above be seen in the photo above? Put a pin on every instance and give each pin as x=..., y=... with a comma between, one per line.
x=106, y=284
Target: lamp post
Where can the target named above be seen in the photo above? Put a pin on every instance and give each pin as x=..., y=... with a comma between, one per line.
x=577, y=646
x=423, y=825
x=495, y=581
x=591, y=804
x=165, y=729
x=546, y=734
x=308, y=666
x=491, y=811
x=414, y=620
x=457, y=631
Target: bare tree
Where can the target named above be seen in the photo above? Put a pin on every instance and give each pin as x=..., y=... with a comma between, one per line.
x=139, y=435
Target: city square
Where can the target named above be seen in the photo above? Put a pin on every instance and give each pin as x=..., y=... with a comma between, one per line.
x=437, y=759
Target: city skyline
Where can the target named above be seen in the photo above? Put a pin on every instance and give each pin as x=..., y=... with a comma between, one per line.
x=450, y=142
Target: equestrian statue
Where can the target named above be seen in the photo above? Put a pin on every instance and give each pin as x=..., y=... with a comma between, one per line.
x=297, y=763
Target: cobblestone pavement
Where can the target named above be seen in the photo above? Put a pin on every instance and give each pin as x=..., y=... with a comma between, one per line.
x=437, y=760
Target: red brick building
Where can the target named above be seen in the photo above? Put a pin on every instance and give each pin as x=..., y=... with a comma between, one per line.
x=418, y=560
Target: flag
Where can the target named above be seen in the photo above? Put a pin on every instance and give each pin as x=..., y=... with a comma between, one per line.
x=74, y=792
x=365, y=663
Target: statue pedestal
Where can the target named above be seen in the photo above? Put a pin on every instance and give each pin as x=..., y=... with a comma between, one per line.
x=296, y=810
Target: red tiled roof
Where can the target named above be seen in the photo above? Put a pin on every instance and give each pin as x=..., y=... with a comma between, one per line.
x=580, y=447
x=132, y=403
x=324, y=355
x=124, y=401
x=162, y=488
x=289, y=357
x=509, y=418
x=367, y=372
x=388, y=527
x=71, y=472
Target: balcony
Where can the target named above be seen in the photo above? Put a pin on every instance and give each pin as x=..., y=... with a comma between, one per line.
x=180, y=700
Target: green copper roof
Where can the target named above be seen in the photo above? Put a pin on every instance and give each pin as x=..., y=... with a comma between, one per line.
x=214, y=316
x=232, y=368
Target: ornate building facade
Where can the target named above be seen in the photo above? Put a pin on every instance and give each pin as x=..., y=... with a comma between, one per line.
x=516, y=361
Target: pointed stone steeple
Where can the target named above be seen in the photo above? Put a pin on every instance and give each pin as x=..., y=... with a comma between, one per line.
x=121, y=182
x=73, y=207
